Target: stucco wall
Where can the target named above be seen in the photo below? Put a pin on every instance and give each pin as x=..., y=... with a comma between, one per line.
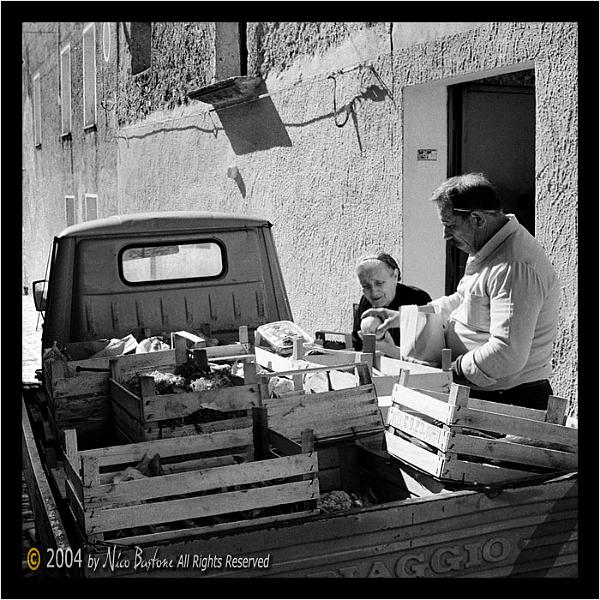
x=85, y=162
x=332, y=193
x=183, y=58
x=336, y=192
x=275, y=47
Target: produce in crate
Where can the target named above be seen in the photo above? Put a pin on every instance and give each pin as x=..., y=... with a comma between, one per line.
x=190, y=379
x=166, y=383
x=370, y=325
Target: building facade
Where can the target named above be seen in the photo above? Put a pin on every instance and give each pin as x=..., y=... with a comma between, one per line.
x=354, y=126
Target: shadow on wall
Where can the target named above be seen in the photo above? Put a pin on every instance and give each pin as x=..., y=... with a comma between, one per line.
x=234, y=173
x=254, y=125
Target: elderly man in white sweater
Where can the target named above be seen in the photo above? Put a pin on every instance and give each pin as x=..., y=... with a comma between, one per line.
x=501, y=321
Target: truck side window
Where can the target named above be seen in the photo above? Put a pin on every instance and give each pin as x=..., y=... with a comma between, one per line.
x=175, y=261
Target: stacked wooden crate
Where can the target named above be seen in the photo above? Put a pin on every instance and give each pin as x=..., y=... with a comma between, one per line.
x=208, y=482
x=331, y=414
x=149, y=416
x=78, y=395
x=145, y=415
x=78, y=390
x=458, y=439
x=385, y=371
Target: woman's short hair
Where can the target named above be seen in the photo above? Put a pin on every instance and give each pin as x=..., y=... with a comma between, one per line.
x=467, y=192
x=384, y=257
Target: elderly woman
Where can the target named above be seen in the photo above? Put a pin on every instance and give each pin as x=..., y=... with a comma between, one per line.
x=379, y=277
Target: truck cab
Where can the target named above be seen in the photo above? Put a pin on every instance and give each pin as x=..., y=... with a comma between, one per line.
x=150, y=273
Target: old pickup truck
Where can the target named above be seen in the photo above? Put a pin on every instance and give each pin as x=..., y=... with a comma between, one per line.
x=153, y=275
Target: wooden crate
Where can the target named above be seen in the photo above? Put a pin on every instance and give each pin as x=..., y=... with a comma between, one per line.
x=385, y=371
x=148, y=416
x=421, y=376
x=78, y=390
x=348, y=413
x=78, y=394
x=459, y=439
x=204, y=487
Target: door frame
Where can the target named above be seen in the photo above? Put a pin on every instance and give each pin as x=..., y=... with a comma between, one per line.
x=454, y=270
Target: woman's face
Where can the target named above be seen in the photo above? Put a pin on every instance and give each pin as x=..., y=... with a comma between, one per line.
x=378, y=283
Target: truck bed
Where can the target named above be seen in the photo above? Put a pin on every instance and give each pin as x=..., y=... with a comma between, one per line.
x=529, y=530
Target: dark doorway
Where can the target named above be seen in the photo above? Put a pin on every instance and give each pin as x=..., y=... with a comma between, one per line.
x=492, y=131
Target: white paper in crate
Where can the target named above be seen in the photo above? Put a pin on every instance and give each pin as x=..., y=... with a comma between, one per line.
x=421, y=335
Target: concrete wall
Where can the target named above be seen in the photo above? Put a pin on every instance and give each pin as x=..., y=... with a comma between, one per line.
x=183, y=58
x=425, y=127
x=79, y=164
x=332, y=192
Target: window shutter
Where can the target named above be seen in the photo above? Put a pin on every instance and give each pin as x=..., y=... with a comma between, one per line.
x=89, y=75
x=70, y=210
x=91, y=207
x=37, y=110
x=65, y=90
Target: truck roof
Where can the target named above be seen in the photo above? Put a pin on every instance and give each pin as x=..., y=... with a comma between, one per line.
x=147, y=222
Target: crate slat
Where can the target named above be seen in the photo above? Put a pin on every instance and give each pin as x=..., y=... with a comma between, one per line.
x=202, y=480
x=460, y=470
x=155, y=432
x=227, y=350
x=424, y=403
x=355, y=399
x=270, y=360
x=98, y=521
x=122, y=436
x=90, y=383
x=283, y=444
x=126, y=400
x=495, y=407
x=75, y=504
x=507, y=409
x=328, y=413
x=244, y=455
x=73, y=477
x=171, y=406
x=418, y=457
x=354, y=427
x=122, y=418
x=535, y=430
x=114, y=455
x=420, y=376
x=512, y=452
x=127, y=362
x=418, y=428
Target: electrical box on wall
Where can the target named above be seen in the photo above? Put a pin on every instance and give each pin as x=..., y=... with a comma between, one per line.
x=427, y=154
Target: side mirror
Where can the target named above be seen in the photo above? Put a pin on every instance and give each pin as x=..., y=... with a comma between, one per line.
x=40, y=293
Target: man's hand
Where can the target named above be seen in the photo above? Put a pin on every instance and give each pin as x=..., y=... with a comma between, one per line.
x=387, y=347
x=390, y=318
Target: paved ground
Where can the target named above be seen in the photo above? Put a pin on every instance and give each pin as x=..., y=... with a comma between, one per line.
x=31, y=342
x=31, y=360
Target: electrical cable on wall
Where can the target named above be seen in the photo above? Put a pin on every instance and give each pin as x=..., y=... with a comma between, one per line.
x=335, y=106
x=111, y=103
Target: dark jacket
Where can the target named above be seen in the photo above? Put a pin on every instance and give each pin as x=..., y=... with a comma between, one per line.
x=405, y=294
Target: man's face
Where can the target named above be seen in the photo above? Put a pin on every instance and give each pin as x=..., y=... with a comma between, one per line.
x=458, y=229
x=378, y=283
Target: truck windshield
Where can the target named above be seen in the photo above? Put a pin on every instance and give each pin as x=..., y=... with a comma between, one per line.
x=196, y=260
